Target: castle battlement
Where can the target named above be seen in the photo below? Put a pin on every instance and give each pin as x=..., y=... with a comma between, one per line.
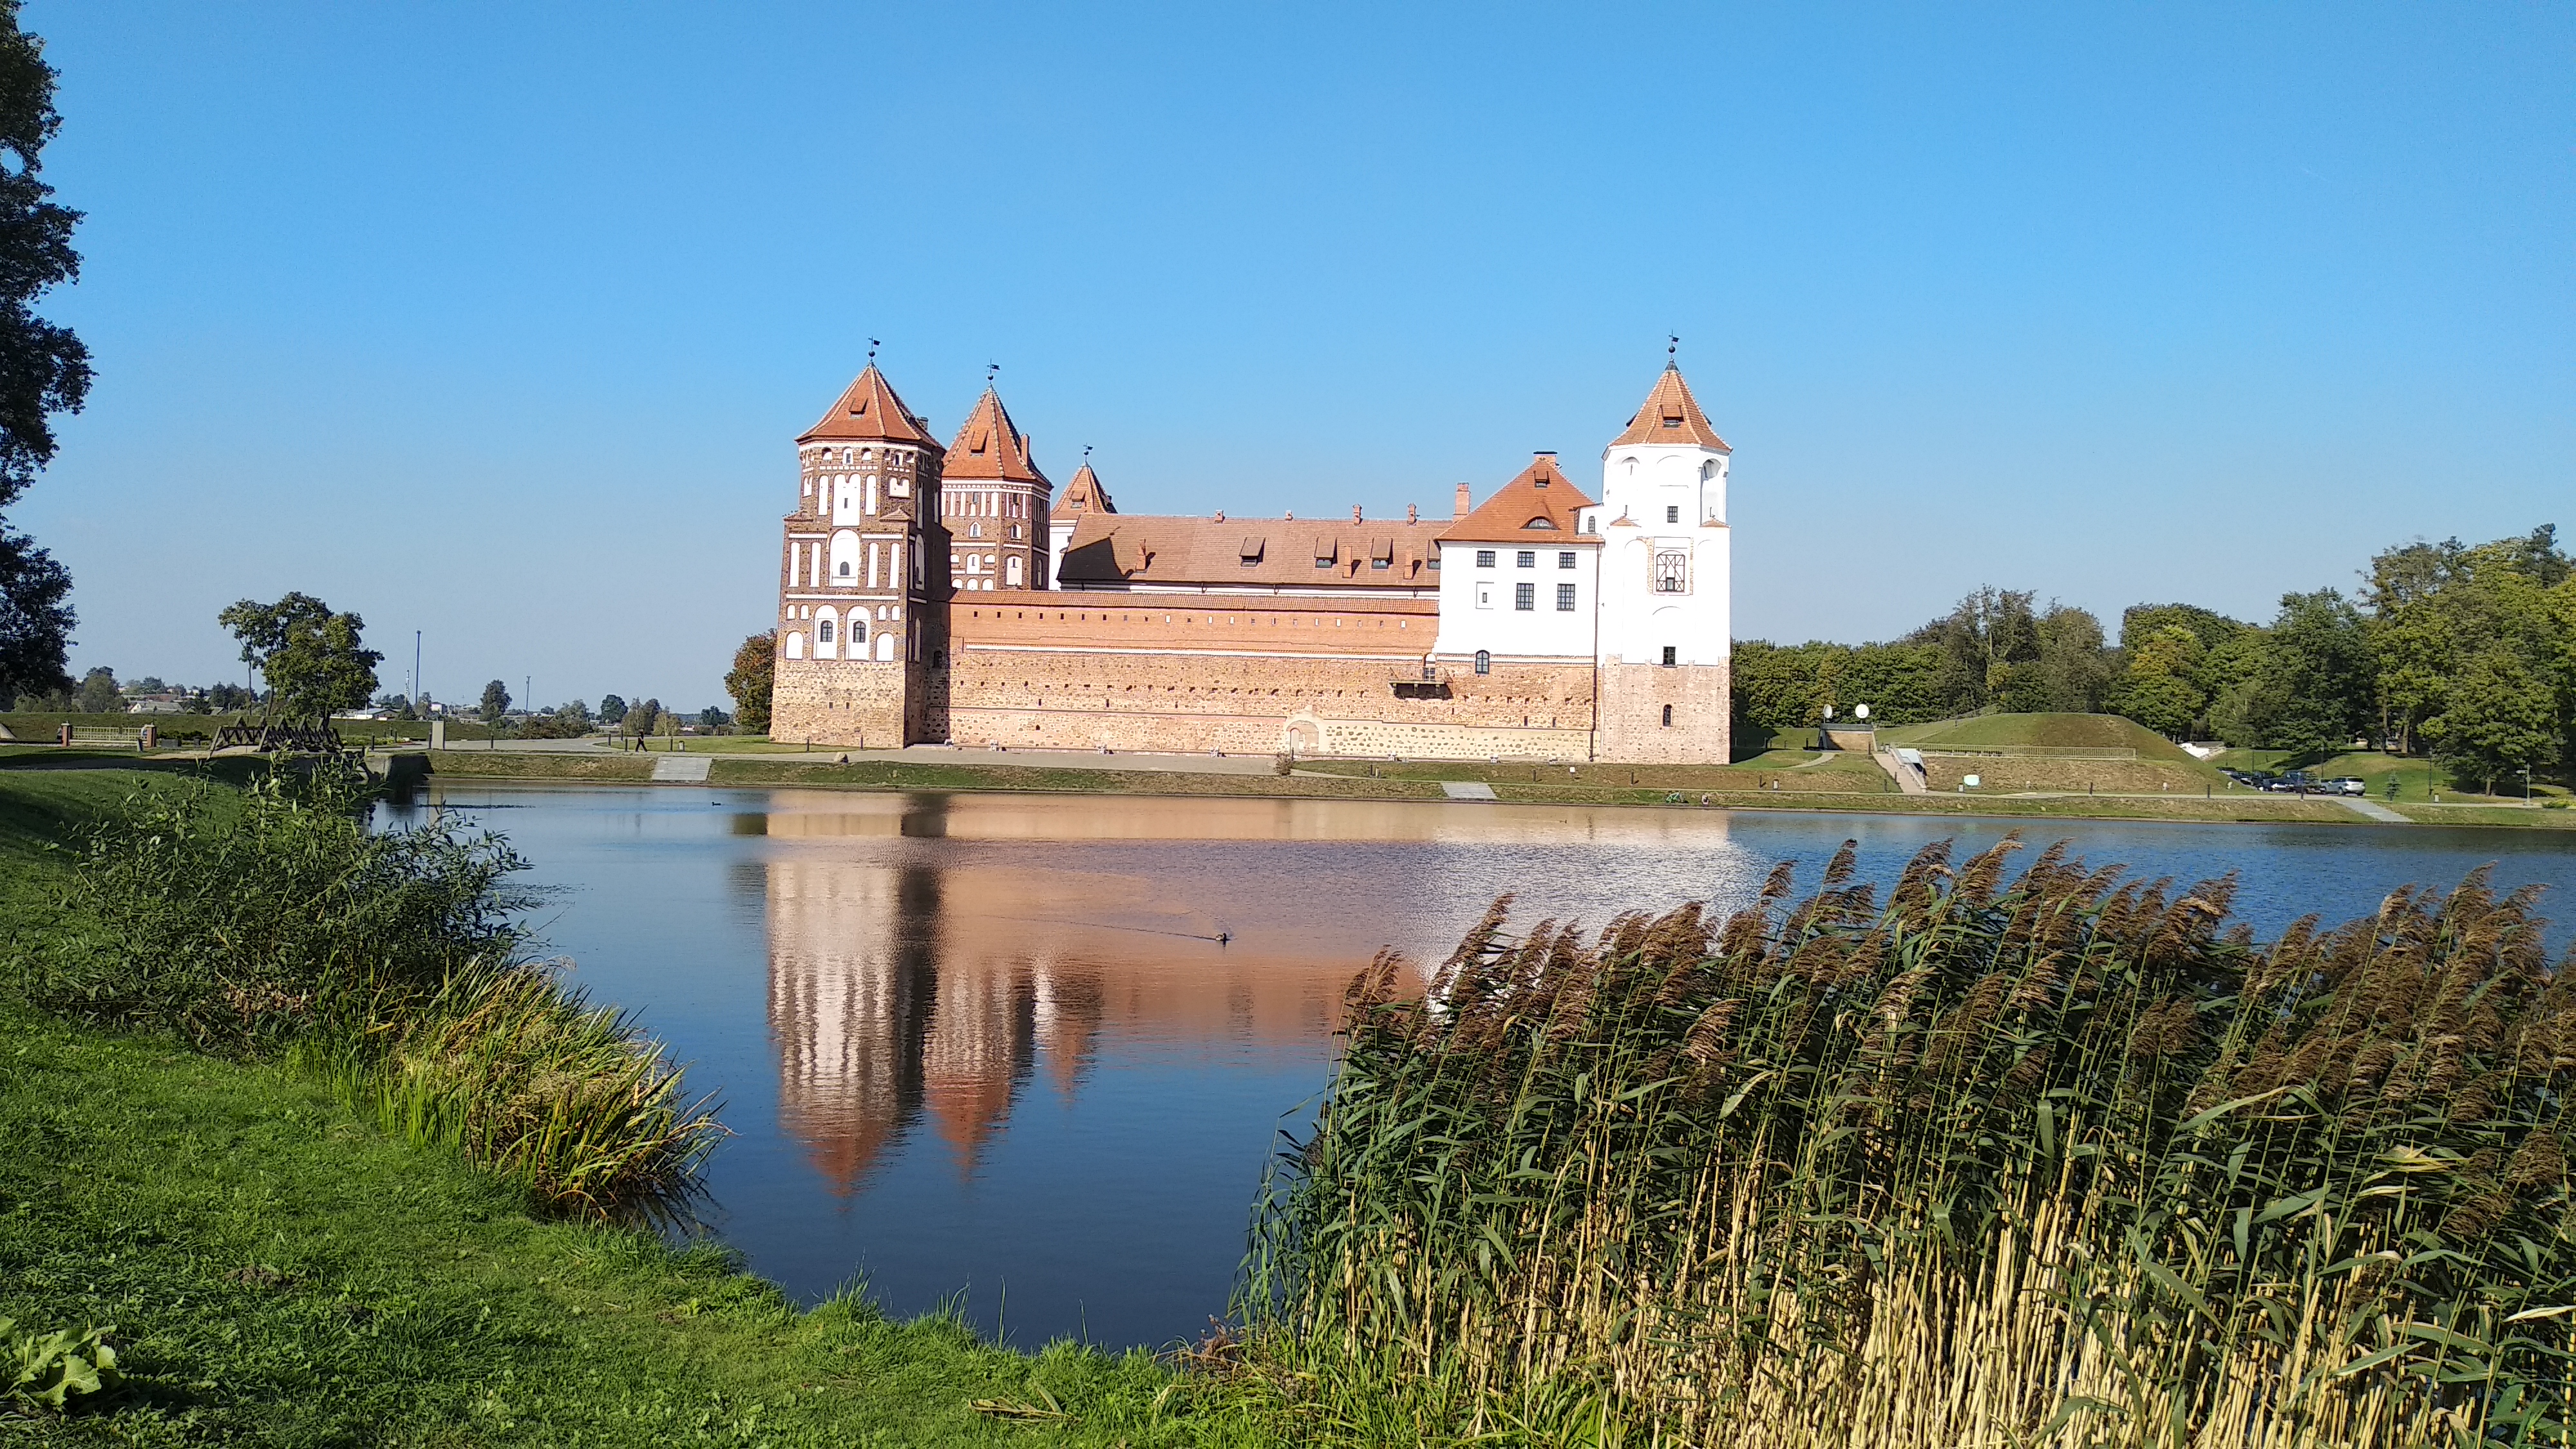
x=932, y=593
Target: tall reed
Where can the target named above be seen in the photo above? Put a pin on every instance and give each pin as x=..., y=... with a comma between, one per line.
x=2060, y=1162
x=391, y=964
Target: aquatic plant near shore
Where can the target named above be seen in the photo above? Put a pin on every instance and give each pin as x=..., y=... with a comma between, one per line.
x=2064, y=1162
x=388, y=963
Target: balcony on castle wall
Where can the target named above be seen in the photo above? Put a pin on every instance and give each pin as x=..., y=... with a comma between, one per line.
x=1427, y=682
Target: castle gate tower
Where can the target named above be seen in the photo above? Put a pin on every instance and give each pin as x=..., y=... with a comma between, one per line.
x=993, y=500
x=863, y=564
x=1666, y=581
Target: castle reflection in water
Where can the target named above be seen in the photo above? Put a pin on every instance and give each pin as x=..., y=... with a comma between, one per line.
x=918, y=970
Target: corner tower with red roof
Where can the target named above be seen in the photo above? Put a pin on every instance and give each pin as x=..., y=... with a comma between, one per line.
x=1666, y=585
x=862, y=574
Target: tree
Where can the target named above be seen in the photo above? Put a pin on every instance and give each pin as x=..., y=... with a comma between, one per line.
x=44, y=369
x=2157, y=689
x=611, y=709
x=2314, y=680
x=754, y=672
x=225, y=698
x=99, y=694
x=712, y=718
x=642, y=719
x=2069, y=673
x=35, y=616
x=496, y=702
x=2501, y=718
x=1983, y=641
x=315, y=661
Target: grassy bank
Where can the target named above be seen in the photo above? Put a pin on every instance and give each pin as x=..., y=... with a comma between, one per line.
x=282, y=1264
x=2058, y=1161
x=1836, y=785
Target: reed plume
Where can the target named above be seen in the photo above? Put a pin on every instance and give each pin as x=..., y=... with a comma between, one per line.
x=2050, y=1161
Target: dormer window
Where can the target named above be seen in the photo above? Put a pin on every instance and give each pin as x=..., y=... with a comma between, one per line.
x=1251, y=552
x=1542, y=521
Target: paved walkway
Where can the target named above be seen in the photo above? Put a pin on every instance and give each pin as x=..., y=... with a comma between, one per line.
x=1467, y=790
x=2373, y=809
x=683, y=769
x=1909, y=780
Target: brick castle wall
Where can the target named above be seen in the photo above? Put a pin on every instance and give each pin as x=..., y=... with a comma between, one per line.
x=1244, y=674
x=1249, y=674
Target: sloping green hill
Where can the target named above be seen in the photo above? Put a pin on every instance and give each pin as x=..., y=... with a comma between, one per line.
x=2038, y=731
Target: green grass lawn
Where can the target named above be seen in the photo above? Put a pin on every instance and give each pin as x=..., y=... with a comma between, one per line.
x=280, y=1272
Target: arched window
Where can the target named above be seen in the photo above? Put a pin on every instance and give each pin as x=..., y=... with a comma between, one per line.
x=823, y=631
x=1014, y=571
x=795, y=645
x=1668, y=716
x=845, y=554
x=859, y=635
x=1484, y=661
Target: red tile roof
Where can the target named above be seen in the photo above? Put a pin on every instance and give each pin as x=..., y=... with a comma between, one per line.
x=1540, y=503
x=1143, y=550
x=1671, y=415
x=869, y=413
x=1085, y=495
x=990, y=447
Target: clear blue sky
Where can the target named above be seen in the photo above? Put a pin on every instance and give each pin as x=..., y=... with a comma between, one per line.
x=497, y=321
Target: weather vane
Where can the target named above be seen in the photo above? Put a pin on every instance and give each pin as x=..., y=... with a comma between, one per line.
x=990, y=368
x=873, y=345
x=1672, y=348
x=1086, y=452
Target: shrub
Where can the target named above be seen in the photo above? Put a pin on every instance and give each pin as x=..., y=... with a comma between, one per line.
x=2064, y=1163
x=390, y=963
x=241, y=919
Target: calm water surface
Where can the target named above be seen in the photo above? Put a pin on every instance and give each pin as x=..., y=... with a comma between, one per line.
x=987, y=1049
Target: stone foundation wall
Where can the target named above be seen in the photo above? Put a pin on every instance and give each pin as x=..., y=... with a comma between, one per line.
x=853, y=703
x=1633, y=700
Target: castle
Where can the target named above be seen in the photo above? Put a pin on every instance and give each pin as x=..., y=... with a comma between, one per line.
x=931, y=593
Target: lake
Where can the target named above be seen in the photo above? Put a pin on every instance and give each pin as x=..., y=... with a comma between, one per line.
x=1027, y=1055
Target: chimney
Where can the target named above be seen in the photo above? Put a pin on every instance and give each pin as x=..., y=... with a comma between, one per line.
x=1355, y=513
x=1412, y=514
x=1220, y=515
x=1459, y=508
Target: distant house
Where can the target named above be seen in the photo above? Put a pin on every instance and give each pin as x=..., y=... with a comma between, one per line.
x=172, y=702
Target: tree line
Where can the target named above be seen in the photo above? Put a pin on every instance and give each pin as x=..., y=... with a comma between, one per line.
x=2466, y=654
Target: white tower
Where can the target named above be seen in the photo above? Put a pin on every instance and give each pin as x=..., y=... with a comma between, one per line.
x=1666, y=579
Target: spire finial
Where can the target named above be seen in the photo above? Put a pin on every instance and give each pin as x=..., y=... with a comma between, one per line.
x=1672, y=350
x=1086, y=455
x=990, y=368
x=873, y=345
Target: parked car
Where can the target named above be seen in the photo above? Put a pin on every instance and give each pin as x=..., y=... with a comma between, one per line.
x=2352, y=785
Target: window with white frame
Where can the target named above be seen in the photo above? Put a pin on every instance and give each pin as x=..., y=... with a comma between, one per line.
x=1672, y=571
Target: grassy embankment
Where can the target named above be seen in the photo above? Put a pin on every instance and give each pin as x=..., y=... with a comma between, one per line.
x=286, y=1261
x=1837, y=781
x=2045, y=1164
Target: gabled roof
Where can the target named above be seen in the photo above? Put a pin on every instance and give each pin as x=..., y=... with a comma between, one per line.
x=990, y=447
x=1133, y=550
x=869, y=412
x=1671, y=415
x=1085, y=495
x=1539, y=504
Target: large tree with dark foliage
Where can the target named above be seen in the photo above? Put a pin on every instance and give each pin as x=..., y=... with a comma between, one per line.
x=315, y=661
x=44, y=369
